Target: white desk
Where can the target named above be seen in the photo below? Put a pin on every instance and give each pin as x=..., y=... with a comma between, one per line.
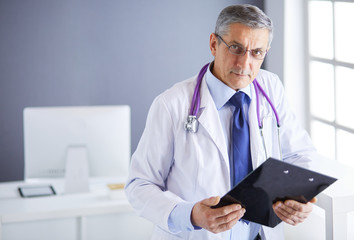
x=338, y=199
x=83, y=216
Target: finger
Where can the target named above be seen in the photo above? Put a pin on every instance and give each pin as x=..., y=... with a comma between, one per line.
x=284, y=217
x=226, y=210
x=293, y=207
x=313, y=200
x=287, y=217
x=227, y=222
x=212, y=201
x=298, y=207
x=235, y=215
x=227, y=226
x=290, y=218
x=290, y=211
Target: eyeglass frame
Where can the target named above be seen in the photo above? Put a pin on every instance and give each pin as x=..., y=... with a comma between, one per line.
x=244, y=50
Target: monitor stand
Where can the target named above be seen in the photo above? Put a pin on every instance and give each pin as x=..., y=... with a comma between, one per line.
x=76, y=170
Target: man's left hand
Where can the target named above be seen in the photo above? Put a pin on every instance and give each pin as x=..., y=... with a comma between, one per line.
x=293, y=212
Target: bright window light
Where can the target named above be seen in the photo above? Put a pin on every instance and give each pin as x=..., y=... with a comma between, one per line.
x=345, y=147
x=321, y=29
x=322, y=90
x=344, y=34
x=345, y=96
x=325, y=145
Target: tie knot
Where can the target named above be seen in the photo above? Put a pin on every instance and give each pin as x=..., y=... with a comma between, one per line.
x=238, y=99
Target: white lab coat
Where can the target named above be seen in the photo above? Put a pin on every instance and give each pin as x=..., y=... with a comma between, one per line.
x=171, y=165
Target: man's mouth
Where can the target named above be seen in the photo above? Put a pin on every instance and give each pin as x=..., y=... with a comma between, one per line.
x=240, y=73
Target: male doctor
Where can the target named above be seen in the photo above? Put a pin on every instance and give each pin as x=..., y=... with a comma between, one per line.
x=177, y=175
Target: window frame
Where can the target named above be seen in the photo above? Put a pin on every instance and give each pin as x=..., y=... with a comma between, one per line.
x=335, y=63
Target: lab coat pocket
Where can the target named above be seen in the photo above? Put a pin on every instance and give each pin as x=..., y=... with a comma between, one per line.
x=212, y=176
x=270, y=133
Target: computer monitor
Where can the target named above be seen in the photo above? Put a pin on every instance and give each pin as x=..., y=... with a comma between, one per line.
x=49, y=132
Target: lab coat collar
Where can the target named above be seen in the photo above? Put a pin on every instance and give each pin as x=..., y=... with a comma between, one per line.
x=220, y=92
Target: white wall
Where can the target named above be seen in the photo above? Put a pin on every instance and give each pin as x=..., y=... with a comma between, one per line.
x=286, y=57
x=295, y=77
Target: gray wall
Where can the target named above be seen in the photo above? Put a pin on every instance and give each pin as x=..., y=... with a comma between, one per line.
x=94, y=52
x=275, y=57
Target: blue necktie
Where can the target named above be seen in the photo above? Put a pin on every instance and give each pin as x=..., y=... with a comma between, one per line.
x=241, y=164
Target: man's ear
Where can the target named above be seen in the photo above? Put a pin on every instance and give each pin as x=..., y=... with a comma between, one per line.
x=213, y=43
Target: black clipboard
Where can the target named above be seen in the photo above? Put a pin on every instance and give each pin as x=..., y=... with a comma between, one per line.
x=272, y=181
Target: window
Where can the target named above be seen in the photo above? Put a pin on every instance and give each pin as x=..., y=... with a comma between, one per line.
x=331, y=77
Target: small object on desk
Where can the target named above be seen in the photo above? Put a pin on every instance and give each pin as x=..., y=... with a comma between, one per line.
x=36, y=191
x=116, y=190
x=115, y=186
x=274, y=181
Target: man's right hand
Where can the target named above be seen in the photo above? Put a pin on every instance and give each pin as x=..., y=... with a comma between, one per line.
x=216, y=220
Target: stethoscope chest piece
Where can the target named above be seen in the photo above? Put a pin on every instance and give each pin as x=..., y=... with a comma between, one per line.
x=191, y=124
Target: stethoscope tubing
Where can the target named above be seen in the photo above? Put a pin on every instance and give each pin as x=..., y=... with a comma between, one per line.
x=196, y=96
x=257, y=88
x=193, y=112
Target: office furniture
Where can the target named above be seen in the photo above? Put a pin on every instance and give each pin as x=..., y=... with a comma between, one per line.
x=98, y=214
x=105, y=214
x=338, y=199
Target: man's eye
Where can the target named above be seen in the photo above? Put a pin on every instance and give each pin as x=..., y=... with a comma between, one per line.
x=235, y=47
x=257, y=52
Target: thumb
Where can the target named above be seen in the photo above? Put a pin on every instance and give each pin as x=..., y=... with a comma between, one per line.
x=212, y=201
x=313, y=200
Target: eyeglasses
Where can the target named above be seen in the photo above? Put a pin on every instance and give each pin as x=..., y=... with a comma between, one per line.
x=236, y=49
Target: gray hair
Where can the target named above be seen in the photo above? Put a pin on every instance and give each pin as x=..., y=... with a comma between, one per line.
x=248, y=15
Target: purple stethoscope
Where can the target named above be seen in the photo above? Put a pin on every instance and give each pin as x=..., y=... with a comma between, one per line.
x=191, y=124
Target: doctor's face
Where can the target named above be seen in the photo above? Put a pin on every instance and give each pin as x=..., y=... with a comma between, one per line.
x=238, y=71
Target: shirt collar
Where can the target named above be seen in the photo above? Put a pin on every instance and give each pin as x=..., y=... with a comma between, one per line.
x=220, y=92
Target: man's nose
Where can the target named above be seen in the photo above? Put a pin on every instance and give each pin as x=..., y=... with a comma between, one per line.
x=244, y=61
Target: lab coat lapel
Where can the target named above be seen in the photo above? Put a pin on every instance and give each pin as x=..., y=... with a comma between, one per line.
x=209, y=119
x=256, y=144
